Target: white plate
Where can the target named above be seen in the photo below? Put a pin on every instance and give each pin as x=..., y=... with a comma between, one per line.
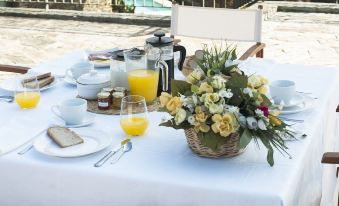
x=94, y=141
x=296, y=100
x=306, y=104
x=89, y=119
x=9, y=85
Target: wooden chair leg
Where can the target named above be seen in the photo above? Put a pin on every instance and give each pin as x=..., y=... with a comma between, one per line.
x=260, y=54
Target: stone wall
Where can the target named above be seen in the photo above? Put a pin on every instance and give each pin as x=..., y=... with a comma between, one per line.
x=101, y=6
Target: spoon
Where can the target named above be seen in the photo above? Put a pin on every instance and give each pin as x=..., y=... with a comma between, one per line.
x=127, y=147
x=8, y=99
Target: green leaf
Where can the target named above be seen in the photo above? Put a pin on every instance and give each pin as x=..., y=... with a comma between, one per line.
x=170, y=123
x=194, y=88
x=245, y=138
x=270, y=151
x=237, y=81
x=180, y=87
x=162, y=109
x=211, y=140
x=270, y=159
x=266, y=100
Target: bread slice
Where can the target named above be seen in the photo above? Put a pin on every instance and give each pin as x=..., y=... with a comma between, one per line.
x=42, y=82
x=64, y=137
x=38, y=77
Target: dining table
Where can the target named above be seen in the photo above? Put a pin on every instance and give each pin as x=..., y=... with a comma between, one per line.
x=161, y=169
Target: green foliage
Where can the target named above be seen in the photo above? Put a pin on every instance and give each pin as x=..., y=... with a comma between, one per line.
x=212, y=140
x=213, y=60
x=180, y=87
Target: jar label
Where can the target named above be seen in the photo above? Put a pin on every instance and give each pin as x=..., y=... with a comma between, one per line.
x=103, y=104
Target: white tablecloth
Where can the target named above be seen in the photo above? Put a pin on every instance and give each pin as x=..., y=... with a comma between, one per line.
x=161, y=169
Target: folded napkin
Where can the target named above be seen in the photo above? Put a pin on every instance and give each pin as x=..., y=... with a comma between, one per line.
x=19, y=130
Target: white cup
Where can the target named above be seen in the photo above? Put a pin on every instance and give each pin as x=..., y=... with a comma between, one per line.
x=79, y=69
x=72, y=111
x=282, y=91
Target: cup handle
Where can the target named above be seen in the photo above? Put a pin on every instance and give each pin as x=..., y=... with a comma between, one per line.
x=69, y=73
x=56, y=111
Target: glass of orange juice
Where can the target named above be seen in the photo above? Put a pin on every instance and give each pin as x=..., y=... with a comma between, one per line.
x=133, y=115
x=27, y=93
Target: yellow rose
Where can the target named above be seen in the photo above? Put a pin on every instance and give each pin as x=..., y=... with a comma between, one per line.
x=173, y=105
x=257, y=81
x=194, y=77
x=275, y=121
x=205, y=87
x=262, y=90
x=164, y=98
x=264, y=81
x=200, y=116
x=225, y=125
x=211, y=98
x=260, y=99
x=201, y=127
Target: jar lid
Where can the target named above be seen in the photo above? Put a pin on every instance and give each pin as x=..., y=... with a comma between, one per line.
x=103, y=95
x=93, y=77
x=159, y=40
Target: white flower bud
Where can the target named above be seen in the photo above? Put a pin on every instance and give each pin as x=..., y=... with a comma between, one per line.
x=252, y=123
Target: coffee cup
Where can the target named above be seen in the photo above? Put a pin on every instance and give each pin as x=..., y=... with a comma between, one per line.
x=282, y=91
x=79, y=69
x=72, y=111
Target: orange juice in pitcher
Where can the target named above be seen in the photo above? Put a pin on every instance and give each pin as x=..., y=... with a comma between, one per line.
x=144, y=82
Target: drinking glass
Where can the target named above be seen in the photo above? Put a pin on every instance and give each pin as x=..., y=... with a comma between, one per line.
x=27, y=92
x=133, y=115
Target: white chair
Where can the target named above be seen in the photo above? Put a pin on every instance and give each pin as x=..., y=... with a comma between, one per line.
x=220, y=24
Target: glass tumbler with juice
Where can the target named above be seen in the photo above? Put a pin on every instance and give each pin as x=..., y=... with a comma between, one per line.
x=27, y=93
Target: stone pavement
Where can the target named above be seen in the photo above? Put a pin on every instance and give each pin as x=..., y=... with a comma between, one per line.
x=298, y=38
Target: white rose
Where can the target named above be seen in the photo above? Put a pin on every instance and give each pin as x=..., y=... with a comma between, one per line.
x=261, y=124
x=248, y=91
x=216, y=108
x=259, y=112
x=218, y=82
x=180, y=116
x=252, y=123
x=232, y=109
x=191, y=120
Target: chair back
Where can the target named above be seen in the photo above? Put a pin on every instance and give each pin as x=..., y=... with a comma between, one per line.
x=216, y=23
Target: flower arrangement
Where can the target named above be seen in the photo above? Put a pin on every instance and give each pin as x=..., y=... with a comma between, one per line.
x=218, y=100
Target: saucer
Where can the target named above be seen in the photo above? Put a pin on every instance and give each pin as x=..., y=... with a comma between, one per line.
x=295, y=101
x=70, y=80
x=307, y=103
x=89, y=119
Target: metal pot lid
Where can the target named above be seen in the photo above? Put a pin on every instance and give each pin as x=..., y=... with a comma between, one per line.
x=159, y=40
x=93, y=77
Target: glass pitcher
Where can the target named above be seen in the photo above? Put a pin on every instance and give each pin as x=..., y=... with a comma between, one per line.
x=143, y=74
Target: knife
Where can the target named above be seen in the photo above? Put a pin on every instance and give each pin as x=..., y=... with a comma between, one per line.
x=111, y=153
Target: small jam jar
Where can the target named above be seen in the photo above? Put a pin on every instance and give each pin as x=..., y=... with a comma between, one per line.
x=108, y=89
x=117, y=97
x=104, y=100
x=121, y=89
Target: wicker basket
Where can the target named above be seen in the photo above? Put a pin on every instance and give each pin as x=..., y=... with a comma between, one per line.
x=229, y=149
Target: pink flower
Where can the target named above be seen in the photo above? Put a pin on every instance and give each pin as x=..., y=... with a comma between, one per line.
x=264, y=109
